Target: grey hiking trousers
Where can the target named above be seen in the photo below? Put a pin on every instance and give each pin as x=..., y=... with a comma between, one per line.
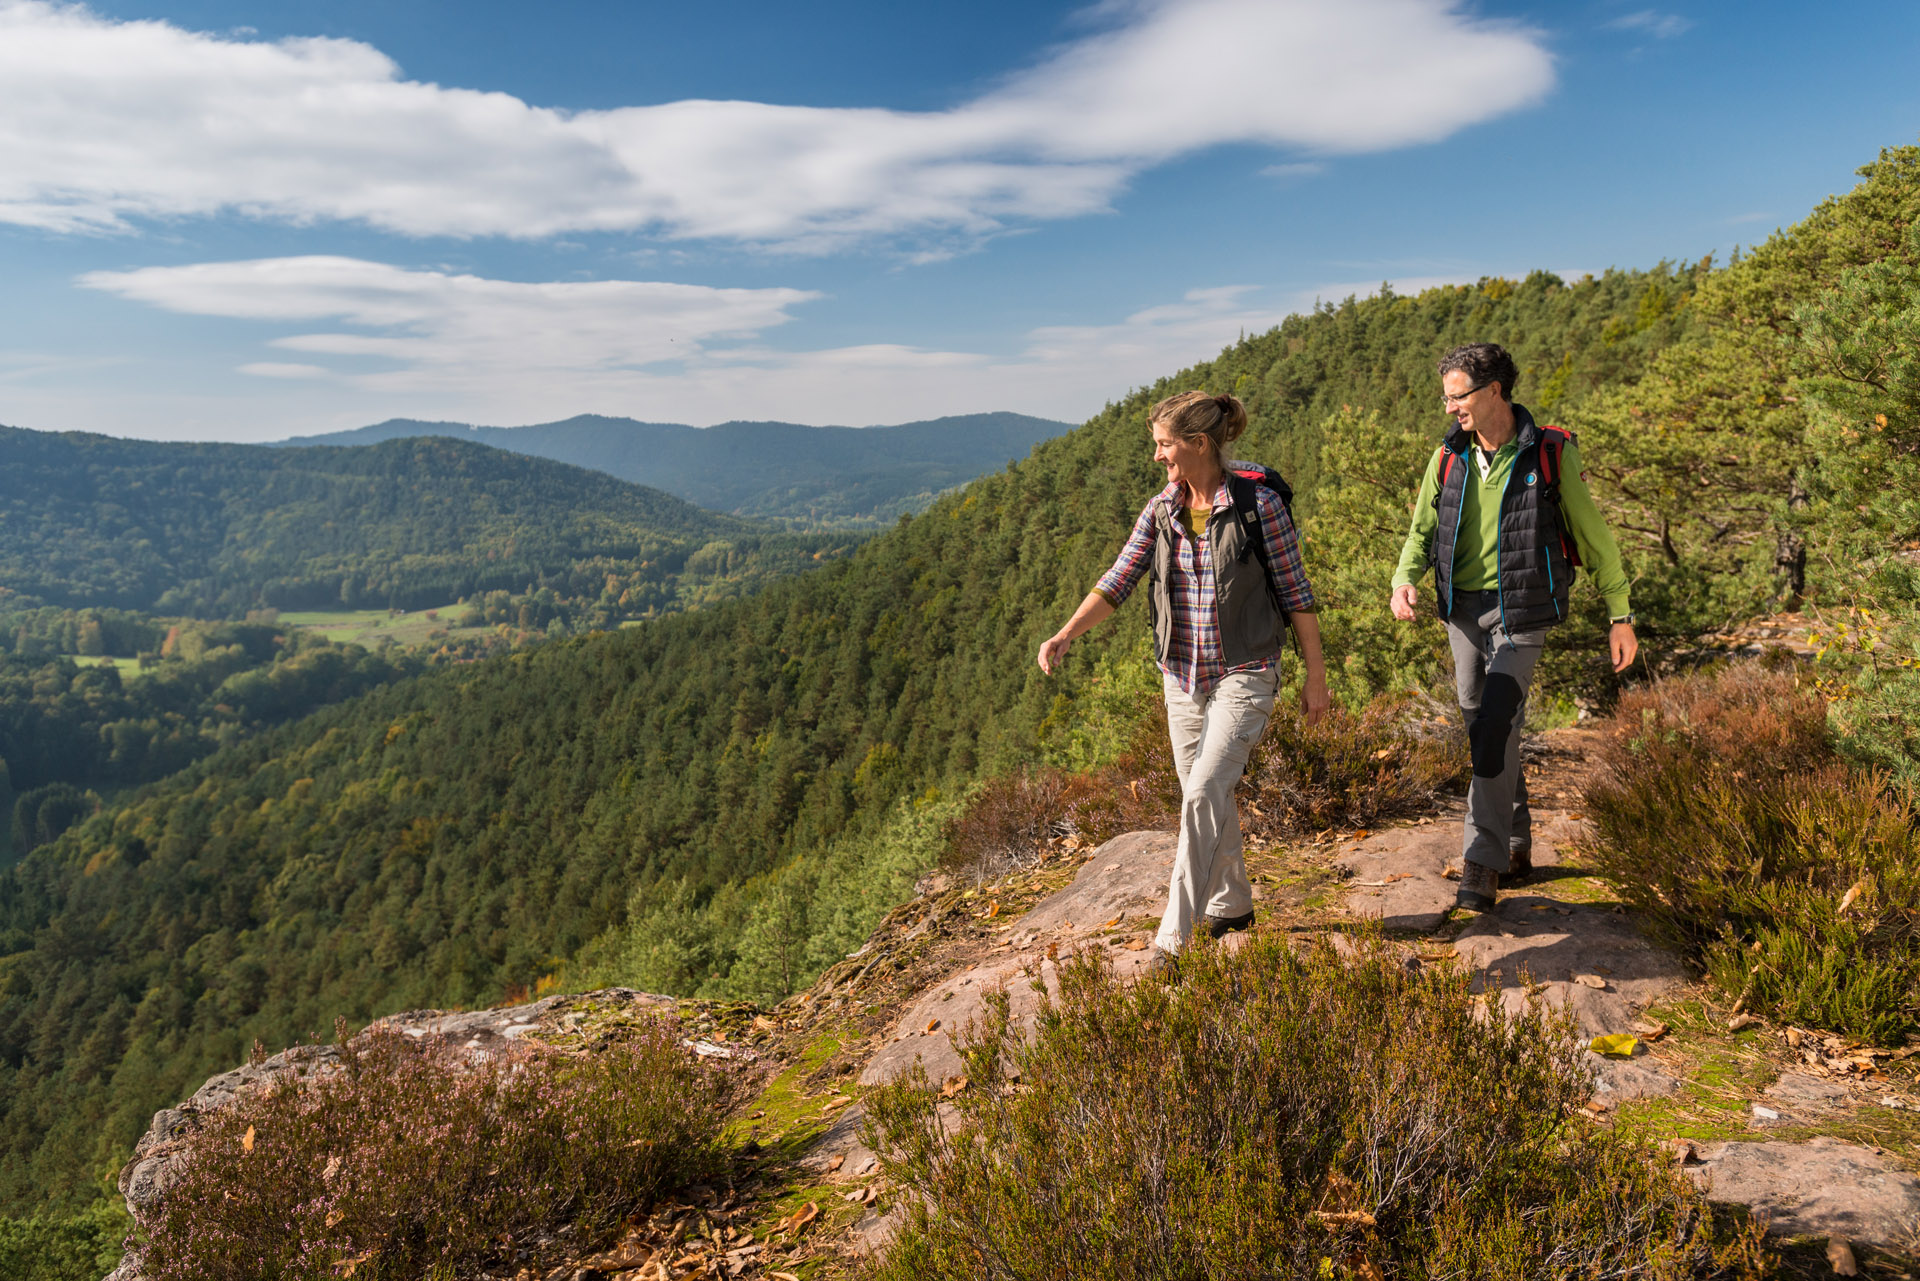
x=1492, y=670
x=1213, y=734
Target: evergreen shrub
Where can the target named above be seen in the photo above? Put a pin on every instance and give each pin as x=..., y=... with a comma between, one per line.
x=1283, y=1113
x=83, y=1246
x=1790, y=877
x=412, y=1162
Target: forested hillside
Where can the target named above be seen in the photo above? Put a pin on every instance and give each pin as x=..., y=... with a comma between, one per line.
x=719, y=799
x=76, y=725
x=217, y=530
x=808, y=477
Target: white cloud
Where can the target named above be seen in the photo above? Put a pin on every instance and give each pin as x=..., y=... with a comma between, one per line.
x=435, y=345
x=1661, y=26
x=419, y=332
x=102, y=122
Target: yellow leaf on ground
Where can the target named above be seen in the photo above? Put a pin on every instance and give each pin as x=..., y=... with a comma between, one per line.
x=1618, y=1045
x=246, y=1143
x=1110, y=924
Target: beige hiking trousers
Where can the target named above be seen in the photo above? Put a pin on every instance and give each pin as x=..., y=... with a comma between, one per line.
x=1212, y=737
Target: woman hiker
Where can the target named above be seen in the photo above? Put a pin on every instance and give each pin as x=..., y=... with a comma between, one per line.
x=1220, y=619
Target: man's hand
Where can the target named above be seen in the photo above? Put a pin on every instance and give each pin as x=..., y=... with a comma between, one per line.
x=1403, y=602
x=1053, y=649
x=1314, y=698
x=1623, y=644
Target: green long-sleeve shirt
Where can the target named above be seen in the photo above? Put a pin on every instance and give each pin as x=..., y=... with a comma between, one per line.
x=1476, y=565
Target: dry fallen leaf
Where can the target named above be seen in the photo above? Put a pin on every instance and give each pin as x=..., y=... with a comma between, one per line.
x=954, y=1085
x=333, y=1168
x=1684, y=1153
x=1342, y=1218
x=1795, y=1036
x=1135, y=945
x=993, y=909
x=933, y=1025
x=1391, y=877
x=1111, y=867
x=1110, y=924
x=1651, y=1032
x=838, y=1161
x=246, y=1143
x=1451, y=871
x=783, y=1276
x=1740, y=1022
x=1840, y=1258
x=1591, y=980
x=1846, y=900
x=1383, y=753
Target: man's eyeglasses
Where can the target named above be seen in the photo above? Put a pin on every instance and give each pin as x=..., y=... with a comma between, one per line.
x=1450, y=400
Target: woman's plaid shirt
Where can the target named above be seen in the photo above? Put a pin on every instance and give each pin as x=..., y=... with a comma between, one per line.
x=1195, y=658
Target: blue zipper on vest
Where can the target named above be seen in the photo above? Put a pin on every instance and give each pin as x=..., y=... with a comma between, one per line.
x=1546, y=555
x=1499, y=530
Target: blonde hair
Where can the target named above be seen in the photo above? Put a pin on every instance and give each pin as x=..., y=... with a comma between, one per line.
x=1194, y=414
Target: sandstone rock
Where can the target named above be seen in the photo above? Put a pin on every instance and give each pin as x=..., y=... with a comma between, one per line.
x=1125, y=878
x=1822, y=1187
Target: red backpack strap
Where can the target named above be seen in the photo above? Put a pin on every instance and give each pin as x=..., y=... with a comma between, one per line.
x=1553, y=441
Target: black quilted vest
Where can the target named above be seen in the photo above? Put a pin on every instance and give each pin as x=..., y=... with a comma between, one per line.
x=1252, y=626
x=1534, y=573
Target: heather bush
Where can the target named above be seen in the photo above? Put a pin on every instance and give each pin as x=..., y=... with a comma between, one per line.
x=1790, y=878
x=1280, y=1113
x=411, y=1162
x=1351, y=770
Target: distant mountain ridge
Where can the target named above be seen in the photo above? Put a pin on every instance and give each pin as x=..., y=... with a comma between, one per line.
x=801, y=475
x=214, y=530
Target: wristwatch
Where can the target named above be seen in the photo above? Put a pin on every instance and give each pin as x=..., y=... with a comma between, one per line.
x=1628, y=619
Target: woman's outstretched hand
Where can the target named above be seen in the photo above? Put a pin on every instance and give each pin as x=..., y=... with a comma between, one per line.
x=1052, y=650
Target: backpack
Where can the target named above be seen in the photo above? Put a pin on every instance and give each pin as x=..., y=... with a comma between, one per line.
x=1553, y=440
x=1244, y=482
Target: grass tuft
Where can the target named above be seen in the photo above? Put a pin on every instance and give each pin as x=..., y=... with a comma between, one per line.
x=412, y=1162
x=1284, y=1114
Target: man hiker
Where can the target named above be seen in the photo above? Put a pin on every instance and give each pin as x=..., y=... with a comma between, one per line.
x=1503, y=512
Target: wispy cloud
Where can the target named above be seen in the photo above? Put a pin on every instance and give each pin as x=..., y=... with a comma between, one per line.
x=1296, y=169
x=104, y=122
x=410, y=332
x=1661, y=26
x=464, y=347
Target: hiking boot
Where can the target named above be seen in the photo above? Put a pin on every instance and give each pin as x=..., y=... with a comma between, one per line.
x=1479, y=887
x=1221, y=926
x=1164, y=967
x=1519, y=866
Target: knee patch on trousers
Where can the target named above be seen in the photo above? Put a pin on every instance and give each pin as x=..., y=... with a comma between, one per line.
x=1492, y=725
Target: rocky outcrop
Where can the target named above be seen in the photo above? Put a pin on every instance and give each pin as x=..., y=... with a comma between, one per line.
x=480, y=1034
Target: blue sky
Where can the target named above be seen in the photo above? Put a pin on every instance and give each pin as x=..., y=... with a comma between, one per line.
x=238, y=221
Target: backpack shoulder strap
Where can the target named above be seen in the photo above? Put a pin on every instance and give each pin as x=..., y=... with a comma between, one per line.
x=1246, y=510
